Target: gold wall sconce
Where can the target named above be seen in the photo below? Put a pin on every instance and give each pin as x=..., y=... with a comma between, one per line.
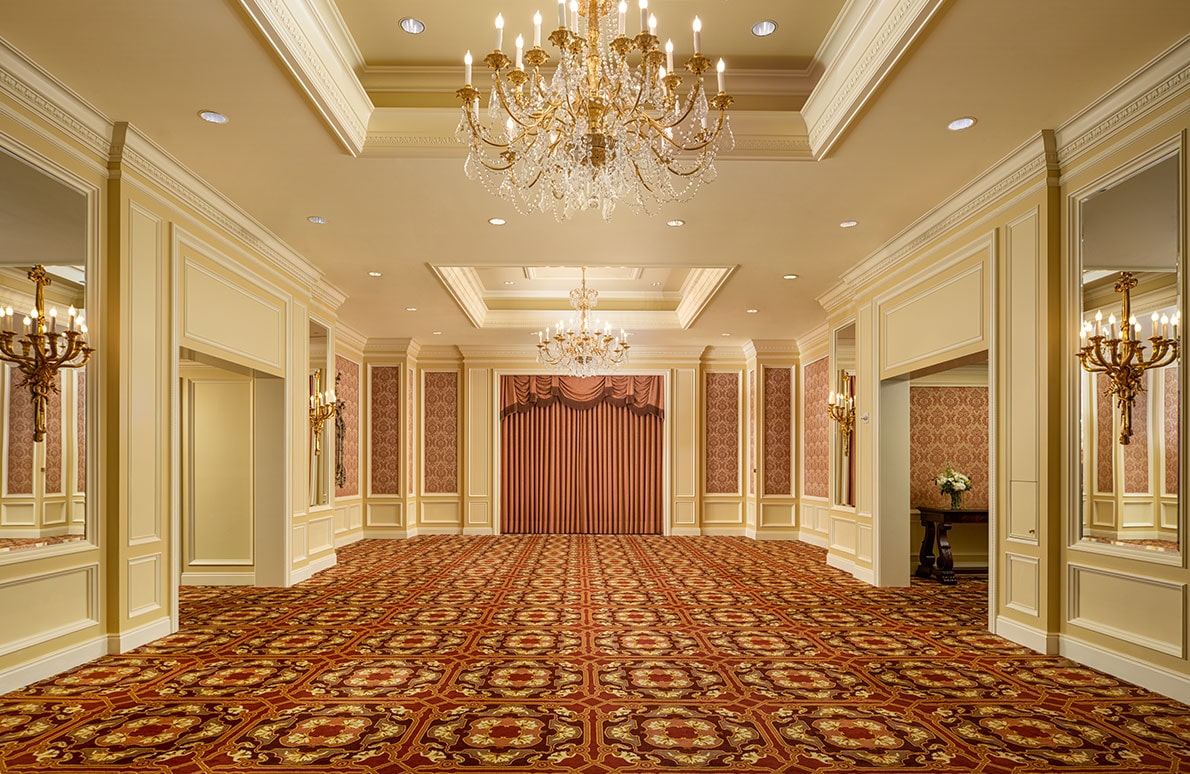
x=840, y=406
x=1116, y=349
x=322, y=408
x=42, y=350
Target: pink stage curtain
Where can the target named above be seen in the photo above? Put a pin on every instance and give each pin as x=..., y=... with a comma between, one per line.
x=581, y=455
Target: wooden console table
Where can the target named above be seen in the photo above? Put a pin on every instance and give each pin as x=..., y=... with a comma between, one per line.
x=937, y=521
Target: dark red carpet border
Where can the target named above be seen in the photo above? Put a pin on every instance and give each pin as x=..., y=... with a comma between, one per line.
x=587, y=654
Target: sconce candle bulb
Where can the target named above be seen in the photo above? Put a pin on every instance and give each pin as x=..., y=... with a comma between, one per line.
x=840, y=406
x=322, y=408
x=1119, y=353
x=43, y=351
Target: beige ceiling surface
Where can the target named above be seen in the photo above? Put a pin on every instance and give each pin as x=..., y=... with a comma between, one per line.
x=1019, y=66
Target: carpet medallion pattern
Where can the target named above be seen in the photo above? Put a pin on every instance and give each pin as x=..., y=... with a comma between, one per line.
x=587, y=654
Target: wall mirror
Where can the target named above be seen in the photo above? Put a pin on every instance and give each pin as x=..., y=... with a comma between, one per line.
x=843, y=392
x=42, y=484
x=322, y=423
x=1130, y=467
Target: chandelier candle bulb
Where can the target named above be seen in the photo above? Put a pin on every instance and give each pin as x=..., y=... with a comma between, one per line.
x=537, y=29
x=652, y=24
x=53, y=319
x=499, y=31
x=467, y=69
x=574, y=20
x=697, y=36
x=623, y=16
x=561, y=14
x=644, y=15
x=722, y=76
x=520, y=51
x=669, y=55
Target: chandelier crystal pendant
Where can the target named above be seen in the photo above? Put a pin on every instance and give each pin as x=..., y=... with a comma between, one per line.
x=578, y=349
x=608, y=125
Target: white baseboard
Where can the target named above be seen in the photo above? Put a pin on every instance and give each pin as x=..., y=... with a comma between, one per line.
x=813, y=538
x=1175, y=685
x=389, y=533
x=347, y=538
x=424, y=530
x=479, y=530
x=725, y=531
x=685, y=532
x=778, y=534
x=218, y=579
x=1027, y=636
x=316, y=566
x=865, y=574
x=123, y=642
x=47, y=666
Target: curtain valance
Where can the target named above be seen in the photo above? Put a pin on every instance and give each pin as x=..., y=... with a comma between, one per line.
x=640, y=394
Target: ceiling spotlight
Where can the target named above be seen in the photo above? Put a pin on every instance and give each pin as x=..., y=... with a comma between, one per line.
x=437, y=333
x=724, y=334
x=656, y=284
x=497, y=221
x=675, y=223
x=509, y=282
x=212, y=116
x=317, y=219
x=375, y=274
x=753, y=311
x=764, y=28
x=413, y=26
x=849, y=224
x=411, y=309
x=959, y=124
x=789, y=276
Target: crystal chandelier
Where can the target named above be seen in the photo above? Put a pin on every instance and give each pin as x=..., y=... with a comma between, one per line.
x=608, y=125
x=578, y=349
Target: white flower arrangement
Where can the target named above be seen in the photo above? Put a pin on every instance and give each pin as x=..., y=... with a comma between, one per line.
x=953, y=483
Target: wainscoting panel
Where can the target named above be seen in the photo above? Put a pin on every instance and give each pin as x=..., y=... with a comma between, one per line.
x=1154, y=616
x=69, y=601
x=1022, y=583
x=385, y=515
x=144, y=585
x=723, y=513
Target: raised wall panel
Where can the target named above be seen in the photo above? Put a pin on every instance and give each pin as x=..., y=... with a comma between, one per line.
x=685, y=424
x=144, y=585
x=321, y=534
x=53, y=513
x=778, y=515
x=911, y=336
x=684, y=514
x=478, y=513
x=1137, y=515
x=1144, y=611
x=355, y=517
x=249, y=326
x=298, y=545
x=480, y=446
x=863, y=542
x=1023, y=517
x=67, y=601
x=144, y=377
x=18, y=515
x=440, y=514
x=1025, y=326
x=1103, y=513
x=385, y=515
x=714, y=513
x=1169, y=515
x=1022, y=584
x=842, y=535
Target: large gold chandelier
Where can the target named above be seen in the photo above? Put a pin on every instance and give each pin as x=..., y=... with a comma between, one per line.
x=607, y=126
x=579, y=348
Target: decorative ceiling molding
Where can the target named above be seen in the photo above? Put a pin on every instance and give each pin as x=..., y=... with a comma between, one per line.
x=312, y=40
x=700, y=287
x=390, y=348
x=464, y=285
x=835, y=297
x=860, y=51
x=328, y=296
x=349, y=342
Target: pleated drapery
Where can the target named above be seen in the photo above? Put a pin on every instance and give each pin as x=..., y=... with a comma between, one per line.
x=583, y=456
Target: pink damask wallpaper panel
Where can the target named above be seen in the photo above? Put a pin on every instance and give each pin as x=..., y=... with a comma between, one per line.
x=815, y=428
x=1170, y=414
x=347, y=390
x=20, y=434
x=752, y=432
x=723, y=432
x=778, y=431
x=386, y=429
x=55, y=482
x=948, y=425
x=1136, y=454
x=441, y=403
x=1104, y=437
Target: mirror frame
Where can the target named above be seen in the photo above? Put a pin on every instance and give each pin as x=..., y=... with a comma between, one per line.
x=321, y=469
x=1074, y=314
x=837, y=370
x=95, y=423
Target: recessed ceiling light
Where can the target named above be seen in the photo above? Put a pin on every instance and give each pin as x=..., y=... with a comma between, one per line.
x=413, y=26
x=509, y=282
x=849, y=224
x=212, y=116
x=318, y=219
x=959, y=124
x=789, y=276
x=675, y=223
x=753, y=311
x=497, y=221
x=724, y=334
x=764, y=28
x=656, y=284
x=437, y=333
x=375, y=274
x=411, y=309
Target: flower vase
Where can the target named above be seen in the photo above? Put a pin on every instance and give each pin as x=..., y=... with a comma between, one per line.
x=956, y=501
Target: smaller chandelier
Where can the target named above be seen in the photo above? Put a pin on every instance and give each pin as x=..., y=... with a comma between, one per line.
x=42, y=349
x=322, y=407
x=840, y=407
x=607, y=125
x=1118, y=351
x=578, y=349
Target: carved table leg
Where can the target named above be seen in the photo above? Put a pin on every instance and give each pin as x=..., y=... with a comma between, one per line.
x=945, y=557
x=925, y=556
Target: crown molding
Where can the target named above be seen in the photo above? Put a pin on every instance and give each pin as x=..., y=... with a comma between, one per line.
x=45, y=97
x=720, y=357
x=439, y=357
x=814, y=343
x=465, y=287
x=772, y=347
x=350, y=339
x=328, y=296
x=1162, y=79
x=140, y=154
x=701, y=285
x=836, y=297
x=859, y=52
x=314, y=44
x=389, y=347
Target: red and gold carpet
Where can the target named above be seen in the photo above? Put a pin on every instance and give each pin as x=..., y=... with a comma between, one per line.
x=587, y=654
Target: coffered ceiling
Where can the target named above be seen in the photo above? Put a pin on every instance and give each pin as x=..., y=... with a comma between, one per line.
x=840, y=115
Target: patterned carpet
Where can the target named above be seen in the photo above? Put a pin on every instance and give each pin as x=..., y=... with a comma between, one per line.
x=587, y=654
